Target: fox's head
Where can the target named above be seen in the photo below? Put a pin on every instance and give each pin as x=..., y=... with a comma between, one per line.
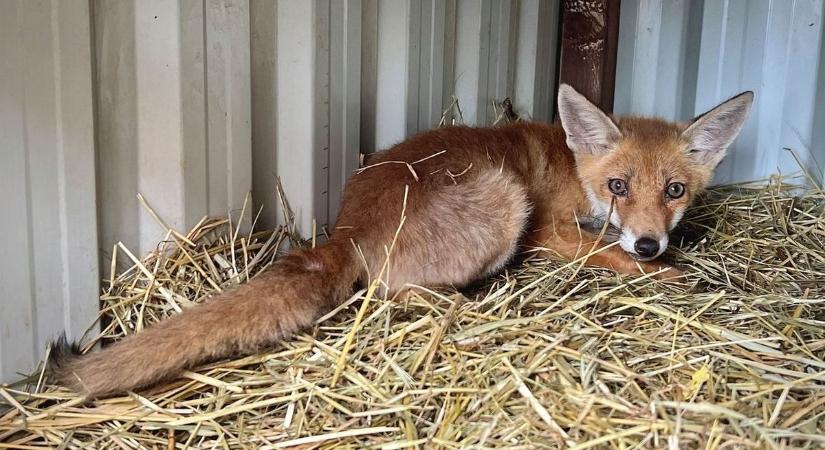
x=646, y=172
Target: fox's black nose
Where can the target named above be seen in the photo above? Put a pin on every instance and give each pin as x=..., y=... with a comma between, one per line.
x=647, y=247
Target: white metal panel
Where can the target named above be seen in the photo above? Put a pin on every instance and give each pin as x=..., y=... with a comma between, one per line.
x=297, y=156
x=76, y=171
x=431, y=38
x=17, y=340
x=369, y=74
x=160, y=126
x=392, y=73
x=228, y=91
x=535, y=63
x=116, y=124
x=173, y=122
x=799, y=106
x=344, y=97
x=307, y=117
x=816, y=162
x=418, y=54
x=657, y=58
x=485, y=56
x=502, y=54
x=337, y=78
x=417, y=42
x=679, y=58
x=263, y=45
x=48, y=277
x=408, y=50
x=726, y=59
x=470, y=69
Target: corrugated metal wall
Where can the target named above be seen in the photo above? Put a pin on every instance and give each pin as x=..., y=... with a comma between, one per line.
x=196, y=102
x=193, y=103
x=417, y=55
x=173, y=114
x=677, y=58
x=48, y=228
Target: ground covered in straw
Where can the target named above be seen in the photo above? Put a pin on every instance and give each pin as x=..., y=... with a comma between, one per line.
x=543, y=356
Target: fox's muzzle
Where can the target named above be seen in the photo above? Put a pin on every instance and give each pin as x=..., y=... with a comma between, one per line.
x=644, y=247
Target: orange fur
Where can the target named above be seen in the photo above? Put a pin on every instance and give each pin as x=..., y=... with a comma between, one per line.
x=476, y=196
x=283, y=299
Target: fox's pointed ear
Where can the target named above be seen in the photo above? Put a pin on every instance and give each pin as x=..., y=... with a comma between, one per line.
x=588, y=129
x=711, y=134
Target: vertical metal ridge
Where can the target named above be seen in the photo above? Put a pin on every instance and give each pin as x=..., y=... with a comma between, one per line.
x=207, y=192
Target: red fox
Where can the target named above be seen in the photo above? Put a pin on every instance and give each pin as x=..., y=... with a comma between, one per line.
x=474, y=198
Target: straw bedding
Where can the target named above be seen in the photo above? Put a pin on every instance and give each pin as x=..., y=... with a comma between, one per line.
x=545, y=355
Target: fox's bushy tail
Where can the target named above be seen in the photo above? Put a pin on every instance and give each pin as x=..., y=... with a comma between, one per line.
x=285, y=298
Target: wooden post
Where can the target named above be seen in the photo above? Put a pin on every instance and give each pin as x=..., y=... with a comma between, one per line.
x=589, y=39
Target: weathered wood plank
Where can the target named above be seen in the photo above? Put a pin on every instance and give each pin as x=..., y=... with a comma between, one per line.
x=589, y=40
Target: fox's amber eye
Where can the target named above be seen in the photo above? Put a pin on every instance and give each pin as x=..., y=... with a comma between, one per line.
x=675, y=190
x=617, y=186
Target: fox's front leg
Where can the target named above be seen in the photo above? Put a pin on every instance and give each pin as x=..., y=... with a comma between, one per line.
x=571, y=243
